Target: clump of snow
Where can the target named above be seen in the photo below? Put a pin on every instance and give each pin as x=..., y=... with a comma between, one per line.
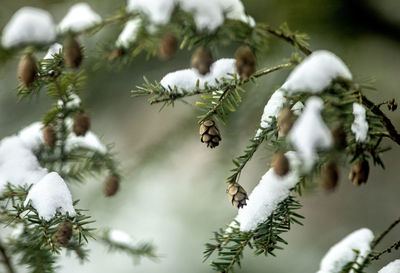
x=29, y=26
x=50, y=195
x=53, y=49
x=393, y=267
x=73, y=102
x=309, y=133
x=316, y=72
x=79, y=18
x=129, y=33
x=360, y=124
x=89, y=141
x=343, y=252
x=187, y=79
x=266, y=196
x=297, y=108
x=32, y=136
x=158, y=11
x=120, y=237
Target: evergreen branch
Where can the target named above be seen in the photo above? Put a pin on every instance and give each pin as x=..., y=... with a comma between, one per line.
x=378, y=239
x=396, y=246
x=6, y=259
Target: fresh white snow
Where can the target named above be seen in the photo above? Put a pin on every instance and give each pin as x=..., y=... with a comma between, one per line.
x=53, y=49
x=129, y=33
x=316, y=72
x=89, y=141
x=120, y=237
x=29, y=26
x=187, y=78
x=309, y=133
x=360, y=124
x=79, y=18
x=32, y=136
x=50, y=195
x=343, y=252
x=73, y=102
x=393, y=267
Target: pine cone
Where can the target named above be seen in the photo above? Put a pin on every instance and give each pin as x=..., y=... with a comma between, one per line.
x=72, y=53
x=339, y=137
x=81, y=124
x=167, y=46
x=49, y=136
x=209, y=133
x=280, y=164
x=63, y=234
x=111, y=185
x=237, y=195
x=202, y=60
x=27, y=70
x=245, y=62
x=116, y=53
x=285, y=121
x=329, y=176
x=359, y=172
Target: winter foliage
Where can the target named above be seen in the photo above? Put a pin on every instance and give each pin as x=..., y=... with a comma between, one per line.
x=360, y=124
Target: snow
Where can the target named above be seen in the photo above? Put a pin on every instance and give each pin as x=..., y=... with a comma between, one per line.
x=158, y=11
x=73, y=102
x=360, y=124
x=32, y=136
x=79, y=18
x=120, y=237
x=129, y=33
x=266, y=196
x=53, y=49
x=187, y=79
x=343, y=252
x=297, y=108
x=309, y=133
x=29, y=26
x=50, y=195
x=316, y=72
x=393, y=267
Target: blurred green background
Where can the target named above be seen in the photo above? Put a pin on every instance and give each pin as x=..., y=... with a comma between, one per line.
x=173, y=191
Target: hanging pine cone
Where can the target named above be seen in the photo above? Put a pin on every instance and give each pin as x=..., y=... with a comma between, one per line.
x=111, y=185
x=49, y=136
x=116, y=53
x=209, y=133
x=72, y=53
x=27, y=70
x=285, y=121
x=280, y=164
x=202, y=60
x=63, y=234
x=359, y=172
x=237, y=195
x=81, y=124
x=339, y=137
x=167, y=46
x=245, y=62
x=329, y=176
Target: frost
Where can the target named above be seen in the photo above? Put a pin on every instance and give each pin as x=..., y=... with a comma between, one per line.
x=343, y=252
x=129, y=33
x=309, y=133
x=187, y=78
x=120, y=237
x=393, y=267
x=50, y=195
x=32, y=136
x=53, y=49
x=266, y=196
x=360, y=124
x=79, y=18
x=29, y=26
x=316, y=72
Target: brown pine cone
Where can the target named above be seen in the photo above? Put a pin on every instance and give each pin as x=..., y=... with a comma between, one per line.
x=237, y=195
x=116, y=53
x=167, y=46
x=359, y=172
x=202, y=60
x=49, y=136
x=63, y=234
x=280, y=164
x=27, y=70
x=339, y=137
x=111, y=185
x=285, y=121
x=209, y=133
x=329, y=176
x=72, y=52
x=81, y=124
x=245, y=62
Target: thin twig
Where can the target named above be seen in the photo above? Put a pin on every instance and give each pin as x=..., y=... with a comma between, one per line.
x=378, y=239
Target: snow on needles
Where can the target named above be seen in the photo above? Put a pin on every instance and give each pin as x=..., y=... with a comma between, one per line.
x=120, y=237
x=129, y=33
x=360, y=124
x=50, y=195
x=309, y=133
x=343, y=252
x=79, y=17
x=316, y=72
x=29, y=26
x=393, y=267
x=53, y=49
x=187, y=78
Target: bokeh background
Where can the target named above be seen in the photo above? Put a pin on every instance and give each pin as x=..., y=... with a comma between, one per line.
x=173, y=192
